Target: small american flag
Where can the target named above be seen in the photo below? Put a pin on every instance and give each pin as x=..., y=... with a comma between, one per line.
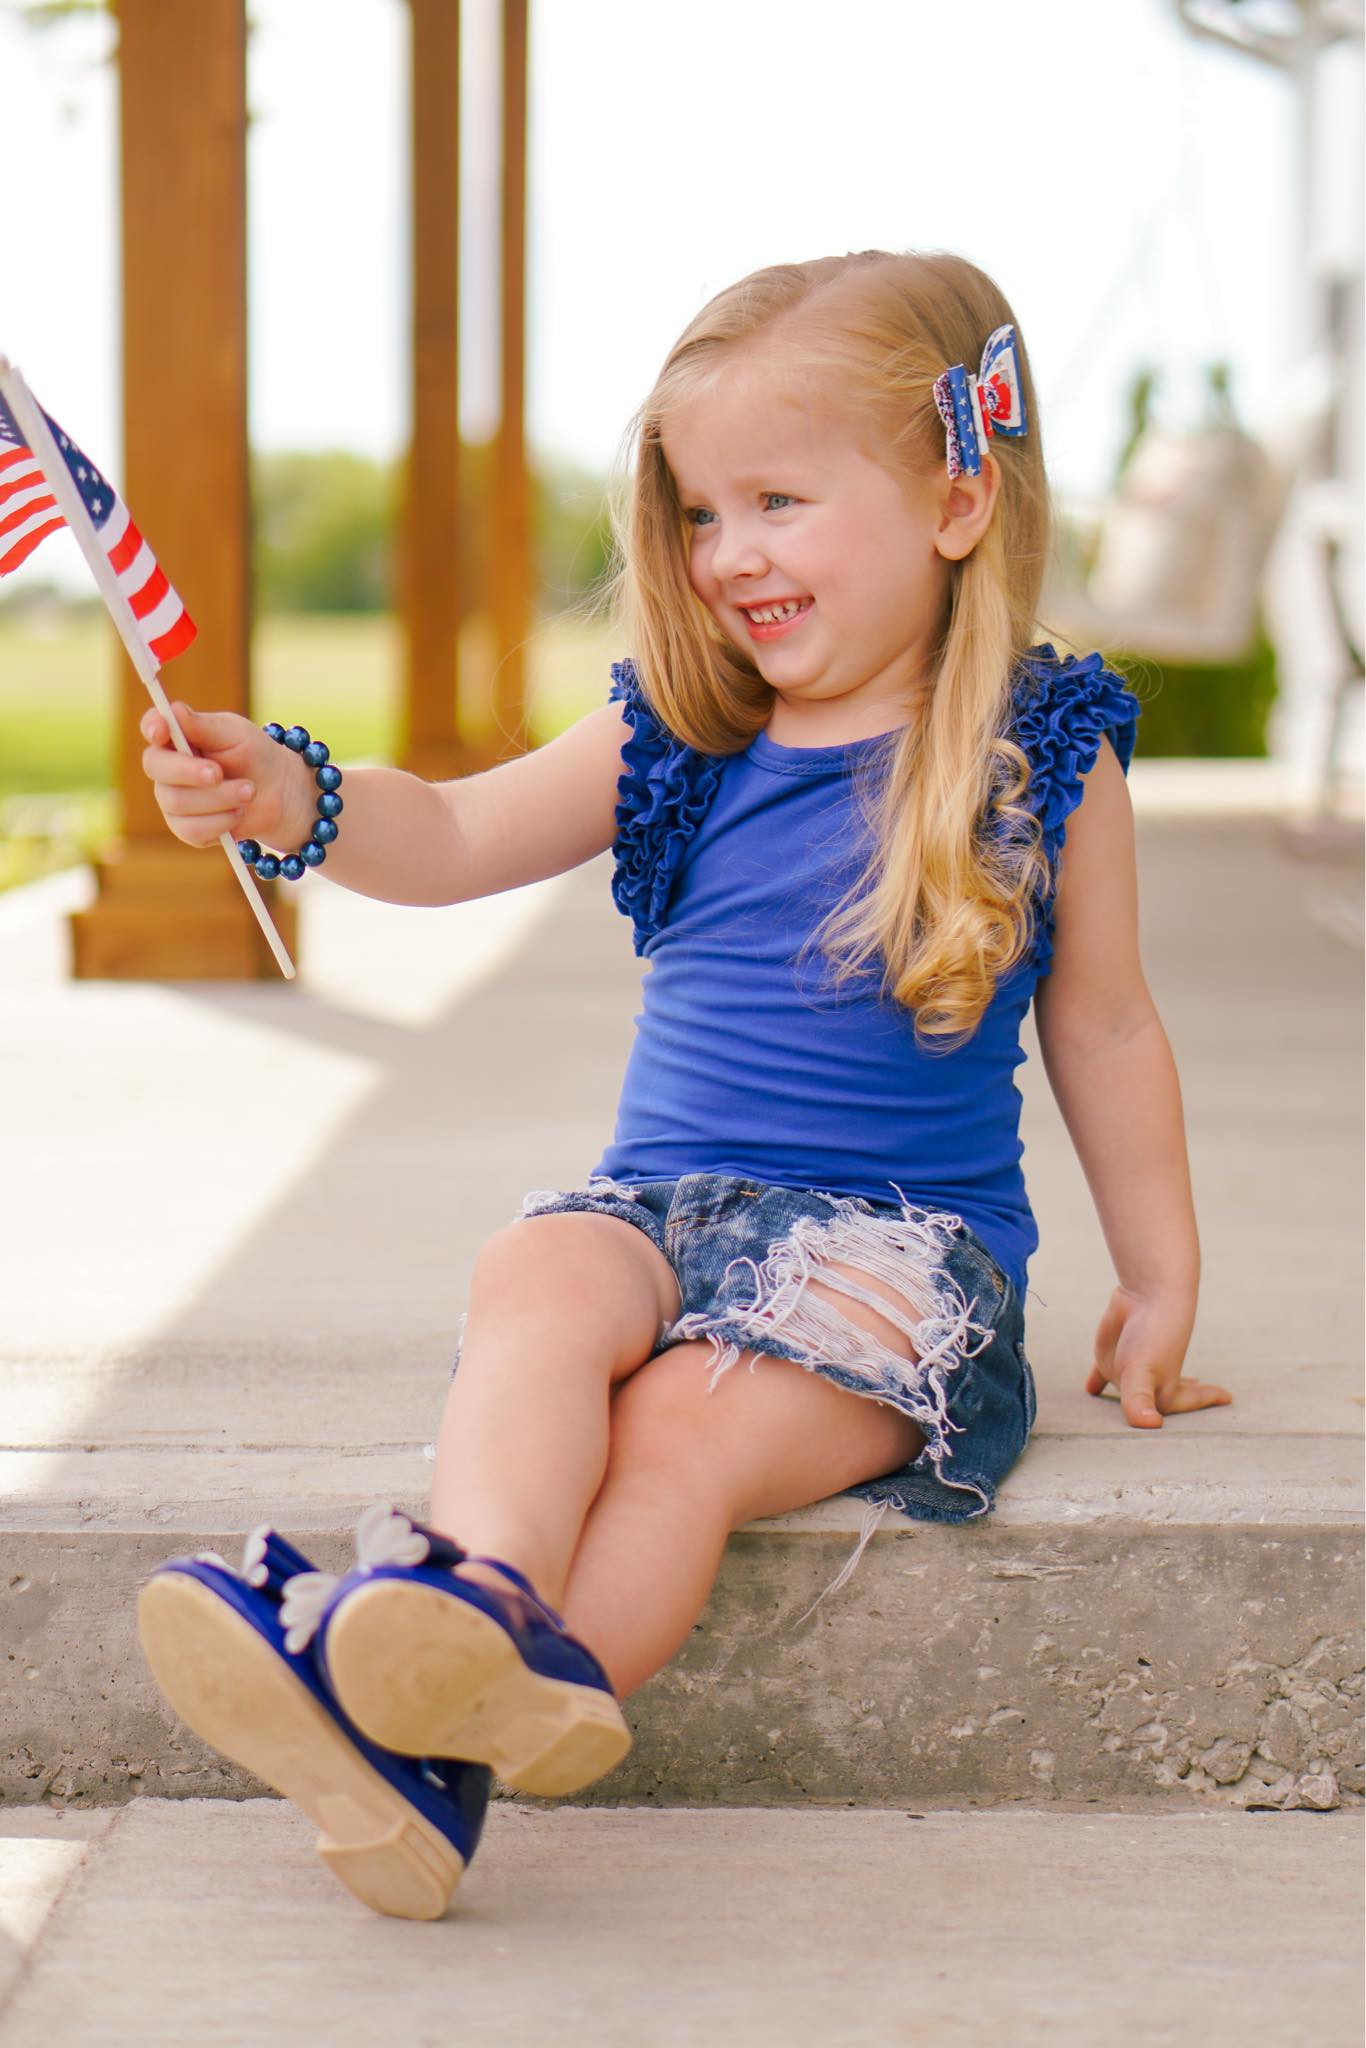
x=28, y=514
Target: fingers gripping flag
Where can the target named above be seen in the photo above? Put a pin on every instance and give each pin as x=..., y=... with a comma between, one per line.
x=29, y=513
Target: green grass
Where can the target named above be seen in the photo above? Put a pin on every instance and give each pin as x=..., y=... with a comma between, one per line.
x=339, y=676
x=57, y=690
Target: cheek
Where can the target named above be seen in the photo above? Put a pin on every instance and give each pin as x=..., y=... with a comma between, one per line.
x=879, y=579
x=698, y=577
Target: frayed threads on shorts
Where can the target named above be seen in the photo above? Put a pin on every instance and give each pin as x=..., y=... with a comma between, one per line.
x=586, y=1197
x=873, y=1513
x=923, y=1300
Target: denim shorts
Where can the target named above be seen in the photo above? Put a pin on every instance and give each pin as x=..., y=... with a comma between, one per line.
x=742, y=1250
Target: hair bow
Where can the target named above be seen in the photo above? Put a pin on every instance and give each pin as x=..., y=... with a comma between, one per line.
x=975, y=408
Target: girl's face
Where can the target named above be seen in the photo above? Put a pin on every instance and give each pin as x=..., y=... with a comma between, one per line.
x=781, y=504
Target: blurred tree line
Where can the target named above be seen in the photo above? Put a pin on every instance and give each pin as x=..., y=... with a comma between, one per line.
x=326, y=529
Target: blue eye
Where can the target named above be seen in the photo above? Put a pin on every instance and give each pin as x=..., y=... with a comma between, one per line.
x=699, y=512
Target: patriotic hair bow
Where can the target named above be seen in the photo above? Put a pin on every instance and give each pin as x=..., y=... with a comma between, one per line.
x=974, y=408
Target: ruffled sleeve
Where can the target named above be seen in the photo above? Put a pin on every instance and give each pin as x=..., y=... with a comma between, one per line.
x=663, y=793
x=1064, y=708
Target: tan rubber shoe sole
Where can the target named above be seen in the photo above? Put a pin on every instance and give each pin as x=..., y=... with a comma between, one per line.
x=429, y=1675
x=228, y=1684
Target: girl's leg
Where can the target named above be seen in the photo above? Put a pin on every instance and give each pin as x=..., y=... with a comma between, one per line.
x=561, y=1308
x=688, y=1465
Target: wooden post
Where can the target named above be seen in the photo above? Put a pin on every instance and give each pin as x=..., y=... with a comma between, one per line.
x=511, y=554
x=431, y=596
x=165, y=912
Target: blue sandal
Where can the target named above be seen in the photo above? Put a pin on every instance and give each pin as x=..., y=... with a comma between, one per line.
x=429, y=1664
x=397, y=1830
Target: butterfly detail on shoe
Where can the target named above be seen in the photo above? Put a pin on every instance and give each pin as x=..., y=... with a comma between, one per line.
x=383, y=1537
x=254, y=1568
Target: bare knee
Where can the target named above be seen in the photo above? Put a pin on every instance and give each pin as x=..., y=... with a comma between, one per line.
x=665, y=1425
x=583, y=1271
x=575, y=1258
x=664, y=1408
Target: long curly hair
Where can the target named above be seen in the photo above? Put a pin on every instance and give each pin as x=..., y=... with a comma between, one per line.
x=946, y=902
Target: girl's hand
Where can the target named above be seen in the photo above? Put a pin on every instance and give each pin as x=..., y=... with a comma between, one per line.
x=241, y=782
x=1139, y=1348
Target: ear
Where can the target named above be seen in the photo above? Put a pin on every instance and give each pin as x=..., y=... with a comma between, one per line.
x=966, y=504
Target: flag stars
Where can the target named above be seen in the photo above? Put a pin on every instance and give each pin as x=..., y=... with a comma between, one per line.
x=165, y=614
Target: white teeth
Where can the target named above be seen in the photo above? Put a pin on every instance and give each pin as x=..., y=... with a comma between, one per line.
x=767, y=614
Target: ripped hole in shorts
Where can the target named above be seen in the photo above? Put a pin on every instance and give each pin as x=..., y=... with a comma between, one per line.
x=921, y=1297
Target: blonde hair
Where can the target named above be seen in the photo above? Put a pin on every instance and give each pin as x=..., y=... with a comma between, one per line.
x=944, y=904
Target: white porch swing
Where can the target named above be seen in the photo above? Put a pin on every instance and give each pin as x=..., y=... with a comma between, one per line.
x=1178, y=553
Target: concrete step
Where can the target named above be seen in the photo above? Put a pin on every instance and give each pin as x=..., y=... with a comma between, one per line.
x=236, y=1231
x=1103, y=1636
x=170, y=1921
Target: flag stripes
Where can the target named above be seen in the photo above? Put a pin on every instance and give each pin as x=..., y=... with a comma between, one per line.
x=26, y=506
x=29, y=513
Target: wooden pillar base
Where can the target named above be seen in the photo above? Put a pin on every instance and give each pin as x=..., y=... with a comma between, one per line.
x=167, y=913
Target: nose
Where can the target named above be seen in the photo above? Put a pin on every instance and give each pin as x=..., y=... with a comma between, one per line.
x=738, y=554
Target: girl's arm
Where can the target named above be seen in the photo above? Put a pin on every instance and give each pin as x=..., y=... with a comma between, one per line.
x=1111, y=1070
x=401, y=839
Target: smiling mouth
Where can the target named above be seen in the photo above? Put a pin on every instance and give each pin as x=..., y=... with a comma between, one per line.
x=775, y=614
x=775, y=621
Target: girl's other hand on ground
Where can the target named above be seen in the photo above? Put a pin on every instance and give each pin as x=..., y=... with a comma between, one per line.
x=1140, y=1345
x=237, y=781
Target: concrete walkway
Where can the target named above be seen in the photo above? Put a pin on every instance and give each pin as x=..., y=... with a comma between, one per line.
x=236, y=1230
x=212, y=1922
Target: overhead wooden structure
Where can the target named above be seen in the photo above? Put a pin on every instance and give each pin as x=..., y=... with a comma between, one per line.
x=164, y=912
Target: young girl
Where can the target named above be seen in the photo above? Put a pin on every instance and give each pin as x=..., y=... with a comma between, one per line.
x=836, y=776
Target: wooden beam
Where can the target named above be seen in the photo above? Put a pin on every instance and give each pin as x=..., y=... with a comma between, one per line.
x=165, y=911
x=511, y=567
x=430, y=588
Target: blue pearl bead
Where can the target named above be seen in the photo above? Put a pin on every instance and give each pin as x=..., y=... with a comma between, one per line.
x=330, y=806
x=267, y=867
x=291, y=867
x=311, y=854
x=316, y=754
x=296, y=739
x=324, y=832
x=275, y=732
x=328, y=779
x=249, y=850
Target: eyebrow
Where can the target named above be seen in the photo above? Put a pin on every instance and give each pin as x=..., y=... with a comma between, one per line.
x=744, y=483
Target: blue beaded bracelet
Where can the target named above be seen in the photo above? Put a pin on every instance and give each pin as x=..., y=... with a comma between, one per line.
x=313, y=852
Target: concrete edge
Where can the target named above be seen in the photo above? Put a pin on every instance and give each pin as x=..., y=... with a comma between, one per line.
x=1162, y=1477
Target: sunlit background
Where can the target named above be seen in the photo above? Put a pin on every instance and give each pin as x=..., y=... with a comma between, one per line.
x=1164, y=219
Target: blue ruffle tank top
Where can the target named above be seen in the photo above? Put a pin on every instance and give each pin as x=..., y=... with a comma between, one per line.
x=747, y=1060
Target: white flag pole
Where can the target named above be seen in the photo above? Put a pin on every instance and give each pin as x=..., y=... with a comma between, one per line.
x=47, y=455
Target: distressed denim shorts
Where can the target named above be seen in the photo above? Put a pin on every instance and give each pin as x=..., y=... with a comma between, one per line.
x=742, y=1251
